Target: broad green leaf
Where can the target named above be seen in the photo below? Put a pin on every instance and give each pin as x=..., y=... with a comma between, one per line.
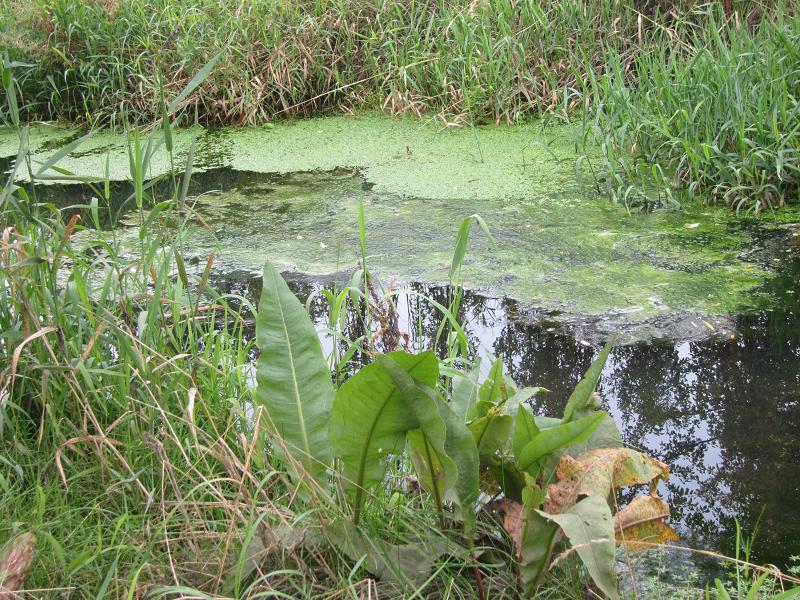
x=369, y=420
x=461, y=447
x=550, y=440
x=589, y=527
x=525, y=430
x=491, y=433
x=539, y=537
x=443, y=449
x=788, y=594
x=435, y=472
x=605, y=436
x=294, y=383
x=520, y=396
x=465, y=393
x=581, y=396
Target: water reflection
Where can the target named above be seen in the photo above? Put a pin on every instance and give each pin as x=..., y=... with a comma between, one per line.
x=723, y=413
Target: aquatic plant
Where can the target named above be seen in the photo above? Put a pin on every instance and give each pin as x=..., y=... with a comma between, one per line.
x=395, y=405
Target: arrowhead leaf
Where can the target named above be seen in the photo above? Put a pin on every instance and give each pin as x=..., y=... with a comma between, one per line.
x=589, y=527
x=370, y=419
x=581, y=396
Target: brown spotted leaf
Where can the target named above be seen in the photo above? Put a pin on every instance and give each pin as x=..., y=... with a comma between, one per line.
x=597, y=472
x=641, y=524
x=15, y=564
x=513, y=522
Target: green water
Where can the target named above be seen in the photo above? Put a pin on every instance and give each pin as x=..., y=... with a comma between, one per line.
x=559, y=246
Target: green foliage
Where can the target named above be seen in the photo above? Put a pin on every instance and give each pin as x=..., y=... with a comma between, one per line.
x=294, y=382
x=714, y=117
x=369, y=420
x=393, y=406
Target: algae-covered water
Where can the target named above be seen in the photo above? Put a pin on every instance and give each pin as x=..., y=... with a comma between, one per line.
x=707, y=377
x=290, y=194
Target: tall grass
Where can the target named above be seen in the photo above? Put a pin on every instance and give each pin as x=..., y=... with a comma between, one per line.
x=488, y=60
x=715, y=117
x=129, y=443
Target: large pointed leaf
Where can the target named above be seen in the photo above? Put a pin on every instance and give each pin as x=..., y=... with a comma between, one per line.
x=443, y=450
x=369, y=420
x=561, y=436
x=581, y=396
x=294, y=383
x=465, y=393
x=491, y=433
x=525, y=429
x=589, y=527
x=538, y=539
x=461, y=447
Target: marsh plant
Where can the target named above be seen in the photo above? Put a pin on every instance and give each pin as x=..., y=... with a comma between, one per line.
x=715, y=117
x=138, y=457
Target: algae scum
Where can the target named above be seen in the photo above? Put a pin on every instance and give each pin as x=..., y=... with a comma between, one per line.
x=708, y=377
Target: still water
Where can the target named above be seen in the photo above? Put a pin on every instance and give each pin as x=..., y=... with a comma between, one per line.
x=722, y=408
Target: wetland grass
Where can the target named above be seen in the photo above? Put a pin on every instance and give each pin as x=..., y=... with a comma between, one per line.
x=716, y=117
x=686, y=99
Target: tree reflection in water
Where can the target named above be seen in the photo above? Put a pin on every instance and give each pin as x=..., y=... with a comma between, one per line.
x=723, y=413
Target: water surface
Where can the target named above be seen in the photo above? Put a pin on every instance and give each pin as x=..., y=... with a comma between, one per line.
x=707, y=375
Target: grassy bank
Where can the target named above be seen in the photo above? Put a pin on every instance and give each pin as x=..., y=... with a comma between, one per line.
x=147, y=453
x=495, y=60
x=686, y=99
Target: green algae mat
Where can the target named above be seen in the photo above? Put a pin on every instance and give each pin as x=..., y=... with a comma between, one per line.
x=290, y=192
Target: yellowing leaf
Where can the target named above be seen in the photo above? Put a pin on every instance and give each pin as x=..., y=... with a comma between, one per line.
x=643, y=521
x=597, y=472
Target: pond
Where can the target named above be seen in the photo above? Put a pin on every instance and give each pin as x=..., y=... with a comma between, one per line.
x=707, y=373
x=722, y=412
